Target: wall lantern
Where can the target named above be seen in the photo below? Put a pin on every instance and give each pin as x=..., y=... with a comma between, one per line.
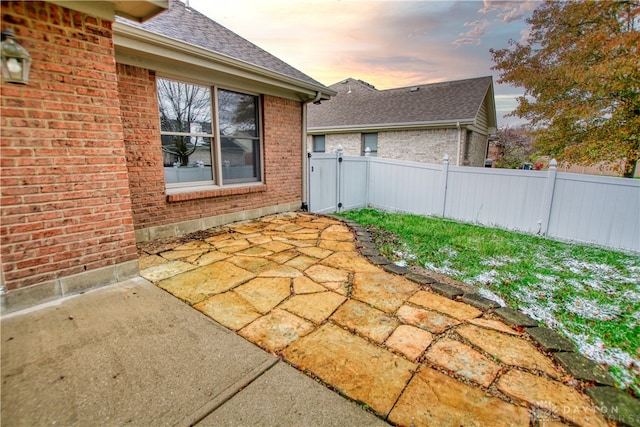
x=16, y=61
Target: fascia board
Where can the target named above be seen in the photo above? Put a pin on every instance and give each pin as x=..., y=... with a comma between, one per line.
x=383, y=127
x=142, y=44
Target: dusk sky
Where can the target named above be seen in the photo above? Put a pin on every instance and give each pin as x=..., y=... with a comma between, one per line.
x=385, y=43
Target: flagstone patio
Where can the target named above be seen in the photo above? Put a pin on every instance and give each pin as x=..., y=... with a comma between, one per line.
x=297, y=285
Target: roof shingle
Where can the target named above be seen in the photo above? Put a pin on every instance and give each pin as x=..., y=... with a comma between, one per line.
x=188, y=25
x=359, y=104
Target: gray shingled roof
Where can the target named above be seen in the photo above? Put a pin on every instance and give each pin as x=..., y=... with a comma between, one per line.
x=359, y=104
x=188, y=25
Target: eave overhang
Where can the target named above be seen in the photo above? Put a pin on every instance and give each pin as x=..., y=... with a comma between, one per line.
x=171, y=57
x=135, y=10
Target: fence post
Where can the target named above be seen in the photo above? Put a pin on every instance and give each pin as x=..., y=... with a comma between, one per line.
x=443, y=186
x=339, y=153
x=367, y=182
x=545, y=215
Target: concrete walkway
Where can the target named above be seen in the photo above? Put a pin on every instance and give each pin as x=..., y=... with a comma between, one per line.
x=131, y=354
x=412, y=351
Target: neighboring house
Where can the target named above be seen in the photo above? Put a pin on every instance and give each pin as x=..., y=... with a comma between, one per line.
x=421, y=123
x=141, y=120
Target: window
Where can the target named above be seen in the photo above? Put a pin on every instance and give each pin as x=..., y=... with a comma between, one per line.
x=239, y=137
x=318, y=143
x=202, y=149
x=370, y=141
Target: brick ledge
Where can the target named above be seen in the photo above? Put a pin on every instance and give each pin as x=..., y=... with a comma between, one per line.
x=203, y=194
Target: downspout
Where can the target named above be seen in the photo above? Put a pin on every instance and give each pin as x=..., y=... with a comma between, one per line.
x=458, y=152
x=305, y=184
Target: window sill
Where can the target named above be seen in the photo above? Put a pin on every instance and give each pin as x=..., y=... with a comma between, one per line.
x=194, y=194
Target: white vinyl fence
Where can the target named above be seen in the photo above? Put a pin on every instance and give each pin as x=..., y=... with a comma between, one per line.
x=584, y=208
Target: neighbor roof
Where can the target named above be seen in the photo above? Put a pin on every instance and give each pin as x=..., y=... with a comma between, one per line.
x=359, y=104
x=190, y=26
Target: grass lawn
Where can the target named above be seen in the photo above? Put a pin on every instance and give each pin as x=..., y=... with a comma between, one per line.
x=589, y=294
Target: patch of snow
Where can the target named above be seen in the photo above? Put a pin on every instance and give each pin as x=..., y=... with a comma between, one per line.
x=448, y=251
x=542, y=314
x=493, y=297
x=588, y=309
x=499, y=261
x=485, y=278
x=631, y=296
x=401, y=263
x=445, y=269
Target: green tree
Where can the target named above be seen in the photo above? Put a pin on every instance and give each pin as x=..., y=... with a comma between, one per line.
x=580, y=69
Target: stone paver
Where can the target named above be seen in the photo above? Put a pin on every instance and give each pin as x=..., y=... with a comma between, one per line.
x=493, y=324
x=276, y=246
x=196, y=285
x=410, y=341
x=265, y=293
x=295, y=285
x=314, y=307
x=444, y=305
x=301, y=262
x=281, y=271
x=349, y=261
x=276, y=330
x=384, y=291
x=434, y=399
x=464, y=361
x=304, y=285
x=315, y=252
x=509, y=349
x=367, y=321
x=209, y=258
x=354, y=366
x=159, y=272
x=229, y=309
x=179, y=254
x=323, y=274
x=426, y=319
x=253, y=264
x=551, y=395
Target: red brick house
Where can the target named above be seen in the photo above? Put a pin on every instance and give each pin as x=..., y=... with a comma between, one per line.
x=141, y=119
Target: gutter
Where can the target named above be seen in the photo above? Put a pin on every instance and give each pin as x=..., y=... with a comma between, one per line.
x=390, y=126
x=305, y=156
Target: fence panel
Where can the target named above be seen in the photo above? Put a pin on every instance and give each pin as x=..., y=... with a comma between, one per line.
x=353, y=182
x=402, y=186
x=595, y=209
x=493, y=197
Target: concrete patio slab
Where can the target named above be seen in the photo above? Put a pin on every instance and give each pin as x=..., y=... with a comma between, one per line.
x=126, y=354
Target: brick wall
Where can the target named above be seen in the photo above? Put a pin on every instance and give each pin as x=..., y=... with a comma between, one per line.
x=152, y=207
x=65, y=203
x=423, y=145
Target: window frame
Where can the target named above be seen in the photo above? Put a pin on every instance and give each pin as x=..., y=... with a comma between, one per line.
x=217, y=182
x=324, y=143
x=373, y=153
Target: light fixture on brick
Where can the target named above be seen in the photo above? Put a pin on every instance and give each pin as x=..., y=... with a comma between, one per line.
x=16, y=61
